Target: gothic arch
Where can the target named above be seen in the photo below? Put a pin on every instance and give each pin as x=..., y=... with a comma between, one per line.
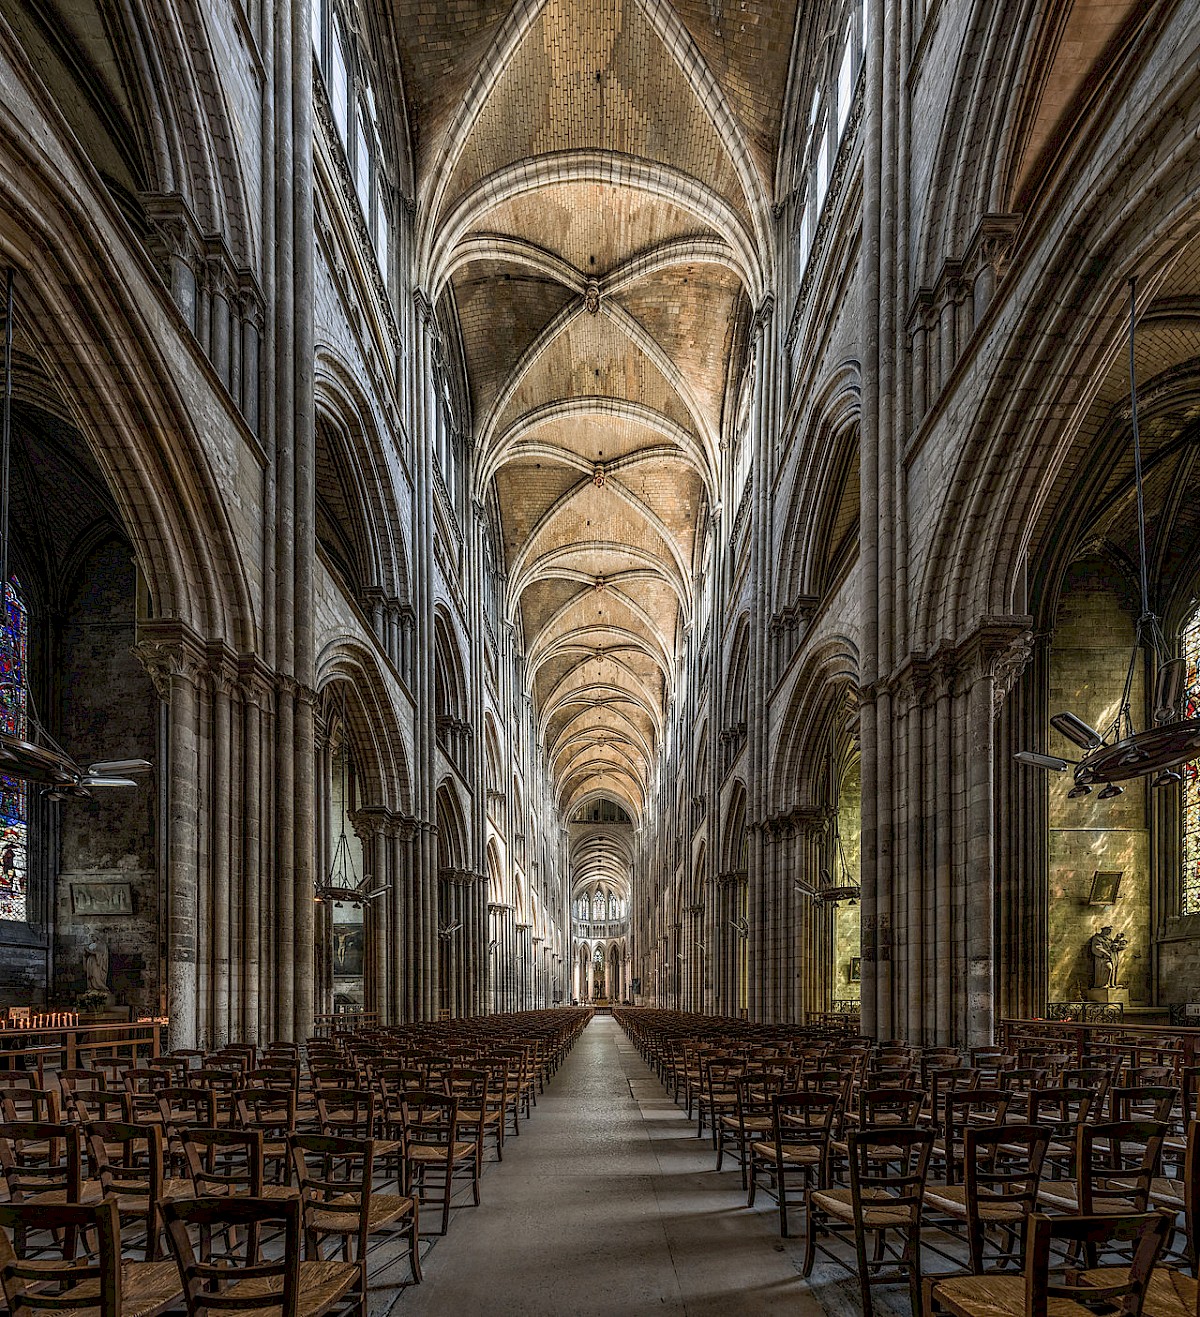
x=100, y=355
x=824, y=694
x=733, y=839
x=822, y=502
x=450, y=682
x=453, y=838
x=1026, y=421
x=350, y=451
x=348, y=668
x=737, y=684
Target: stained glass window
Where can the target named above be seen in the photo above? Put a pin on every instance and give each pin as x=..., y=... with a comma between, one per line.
x=1191, y=774
x=14, y=802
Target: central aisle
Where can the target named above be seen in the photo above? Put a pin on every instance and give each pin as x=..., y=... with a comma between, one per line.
x=608, y=1204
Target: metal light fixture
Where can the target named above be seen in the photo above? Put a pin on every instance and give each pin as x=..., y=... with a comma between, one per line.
x=342, y=882
x=831, y=892
x=1122, y=752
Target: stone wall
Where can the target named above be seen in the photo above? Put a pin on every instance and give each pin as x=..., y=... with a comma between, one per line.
x=847, y=922
x=109, y=711
x=1088, y=660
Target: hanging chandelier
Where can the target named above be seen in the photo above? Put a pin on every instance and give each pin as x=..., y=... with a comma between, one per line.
x=342, y=883
x=831, y=892
x=1121, y=752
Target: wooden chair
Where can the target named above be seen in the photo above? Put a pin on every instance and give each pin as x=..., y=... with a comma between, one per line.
x=1116, y=1163
x=436, y=1155
x=1018, y=1083
x=223, y=1082
x=718, y=1096
x=128, y=1161
x=91, y=1104
x=112, y=1068
x=224, y=1161
x=77, y=1281
x=967, y=1107
x=272, y=1112
x=38, y=1285
x=347, y=1113
x=143, y=1087
x=41, y=1163
x=1062, y=1110
x=1002, y=1169
x=499, y=1073
x=1038, y=1292
x=888, y=1169
x=751, y=1119
x=521, y=1084
x=336, y=1178
x=802, y=1125
x=1142, y=1102
x=249, y=1281
x=899, y=1107
x=471, y=1085
x=173, y=1068
x=181, y=1109
x=29, y=1105
x=940, y=1082
x=71, y=1081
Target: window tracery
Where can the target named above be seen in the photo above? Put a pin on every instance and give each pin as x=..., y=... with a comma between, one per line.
x=14, y=793
x=354, y=114
x=1190, y=875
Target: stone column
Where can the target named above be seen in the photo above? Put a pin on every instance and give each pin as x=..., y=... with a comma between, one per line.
x=254, y=951
x=175, y=666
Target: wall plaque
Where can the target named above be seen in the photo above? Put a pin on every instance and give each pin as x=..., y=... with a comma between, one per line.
x=101, y=899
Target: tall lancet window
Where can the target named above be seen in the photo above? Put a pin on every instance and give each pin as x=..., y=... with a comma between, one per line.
x=14, y=797
x=1191, y=774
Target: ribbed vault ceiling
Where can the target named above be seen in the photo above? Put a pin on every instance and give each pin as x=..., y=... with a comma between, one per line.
x=593, y=184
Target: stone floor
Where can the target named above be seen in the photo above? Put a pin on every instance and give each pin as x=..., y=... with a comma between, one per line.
x=609, y=1204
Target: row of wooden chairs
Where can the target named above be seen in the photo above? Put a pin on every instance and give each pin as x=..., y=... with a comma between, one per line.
x=141, y=1143
x=857, y=1159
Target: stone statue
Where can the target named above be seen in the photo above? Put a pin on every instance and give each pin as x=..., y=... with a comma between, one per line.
x=1106, y=947
x=95, y=966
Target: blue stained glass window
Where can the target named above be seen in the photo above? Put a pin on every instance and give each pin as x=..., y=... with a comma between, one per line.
x=14, y=796
x=1191, y=775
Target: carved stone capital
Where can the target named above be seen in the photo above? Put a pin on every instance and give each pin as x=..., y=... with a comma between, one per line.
x=170, y=652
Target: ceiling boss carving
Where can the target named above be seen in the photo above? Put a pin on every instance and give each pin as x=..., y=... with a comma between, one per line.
x=594, y=180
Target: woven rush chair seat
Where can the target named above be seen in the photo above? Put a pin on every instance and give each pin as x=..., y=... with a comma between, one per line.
x=952, y=1199
x=383, y=1210
x=998, y=1296
x=1063, y=1196
x=420, y=1152
x=1169, y=1293
x=252, y=1283
x=875, y=1213
x=147, y=1289
x=802, y=1154
x=1062, y=1293
x=322, y=1286
x=1171, y=1194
